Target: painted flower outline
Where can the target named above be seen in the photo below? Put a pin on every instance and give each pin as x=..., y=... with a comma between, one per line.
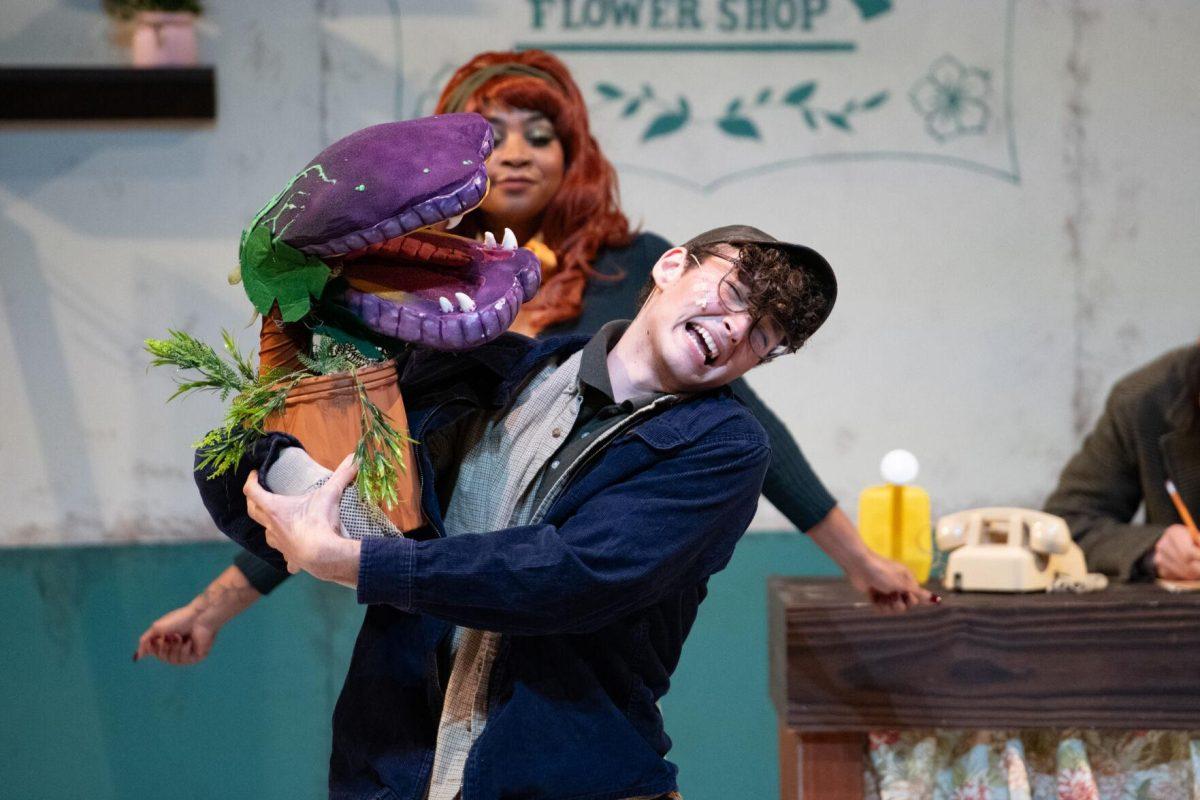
x=951, y=99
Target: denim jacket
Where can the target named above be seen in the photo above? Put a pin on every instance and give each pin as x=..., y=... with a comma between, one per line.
x=595, y=599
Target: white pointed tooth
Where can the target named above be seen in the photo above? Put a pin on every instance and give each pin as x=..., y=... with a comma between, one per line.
x=510, y=240
x=464, y=302
x=446, y=305
x=452, y=223
x=489, y=239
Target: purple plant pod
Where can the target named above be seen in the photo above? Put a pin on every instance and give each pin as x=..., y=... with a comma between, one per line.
x=530, y=278
x=428, y=213
x=409, y=328
x=410, y=220
x=431, y=332
x=391, y=228
x=491, y=323
x=389, y=318
x=378, y=172
x=472, y=329
x=452, y=333
x=370, y=312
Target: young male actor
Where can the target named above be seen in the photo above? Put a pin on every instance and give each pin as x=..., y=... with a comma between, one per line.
x=579, y=495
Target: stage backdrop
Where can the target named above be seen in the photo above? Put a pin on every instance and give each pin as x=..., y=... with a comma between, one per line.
x=1007, y=188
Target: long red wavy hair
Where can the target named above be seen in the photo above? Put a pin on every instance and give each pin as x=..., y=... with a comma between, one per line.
x=585, y=214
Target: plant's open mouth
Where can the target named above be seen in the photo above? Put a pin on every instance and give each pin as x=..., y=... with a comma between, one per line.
x=366, y=207
x=408, y=281
x=439, y=289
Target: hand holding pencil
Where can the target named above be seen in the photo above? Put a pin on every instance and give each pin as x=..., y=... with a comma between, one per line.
x=1177, y=552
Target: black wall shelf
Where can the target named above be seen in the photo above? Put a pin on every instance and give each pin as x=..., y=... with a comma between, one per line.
x=107, y=93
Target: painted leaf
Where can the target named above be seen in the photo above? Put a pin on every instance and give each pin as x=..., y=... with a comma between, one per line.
x=732, y=108
x=838, y=121
x=631, y=107
x=798, y=95
x=647, y=92
x=274, y=272
x=609, y=91
x=739, y=126
x=667, y=123
x=810, y=118
x=763, y=96
x=875, y=100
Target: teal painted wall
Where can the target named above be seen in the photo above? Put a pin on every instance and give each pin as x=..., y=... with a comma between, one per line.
x=80, y=720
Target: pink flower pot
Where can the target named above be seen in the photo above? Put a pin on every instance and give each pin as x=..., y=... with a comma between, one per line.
x=164, y=39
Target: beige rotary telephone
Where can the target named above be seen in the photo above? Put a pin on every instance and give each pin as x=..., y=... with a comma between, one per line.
x=1012, y=550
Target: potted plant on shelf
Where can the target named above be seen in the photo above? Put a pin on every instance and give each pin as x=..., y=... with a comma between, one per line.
x=164, y=31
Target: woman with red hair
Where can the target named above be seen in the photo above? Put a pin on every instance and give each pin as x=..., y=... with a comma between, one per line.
x=557, y=193
x=551, y=186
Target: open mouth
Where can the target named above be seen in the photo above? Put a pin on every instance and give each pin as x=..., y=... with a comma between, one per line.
x=705, y=344
x=408, y=281
x=366, y=208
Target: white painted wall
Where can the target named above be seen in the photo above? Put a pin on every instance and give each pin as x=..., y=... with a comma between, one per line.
x=980, y=321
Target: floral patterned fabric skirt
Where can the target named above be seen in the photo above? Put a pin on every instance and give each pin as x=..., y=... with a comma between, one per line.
x=1033, y=765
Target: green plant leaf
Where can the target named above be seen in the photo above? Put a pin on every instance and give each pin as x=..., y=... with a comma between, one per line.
x=609, y=91
x=274, y=272
x=763, y=96
x=668, y=122
x=739, y=126
x=875, y=100
x=800, y=94
x=631, y=107
x=838, y=121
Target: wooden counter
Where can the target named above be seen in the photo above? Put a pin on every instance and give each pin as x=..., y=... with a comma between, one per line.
x=1127, y=657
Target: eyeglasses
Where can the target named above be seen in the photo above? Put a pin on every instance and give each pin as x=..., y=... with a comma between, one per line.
x=766, y=336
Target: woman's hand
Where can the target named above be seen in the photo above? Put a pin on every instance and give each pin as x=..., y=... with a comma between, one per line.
x=305, y=529
x=1176, y=555
x=186, y=635
x=889, y=584
x=178, y=637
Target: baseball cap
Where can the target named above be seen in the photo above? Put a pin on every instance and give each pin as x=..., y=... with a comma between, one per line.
x=800, y=256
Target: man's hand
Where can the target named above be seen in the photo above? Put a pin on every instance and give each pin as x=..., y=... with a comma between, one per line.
x=1176, y=555
x=305, y=528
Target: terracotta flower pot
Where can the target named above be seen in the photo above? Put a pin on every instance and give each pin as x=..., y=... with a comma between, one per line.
x=164, y=39
x=325, y=414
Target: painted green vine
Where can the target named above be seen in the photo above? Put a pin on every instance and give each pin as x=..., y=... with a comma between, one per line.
x=737, y=119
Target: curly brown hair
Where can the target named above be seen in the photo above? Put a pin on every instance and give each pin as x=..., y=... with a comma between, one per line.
x=777, y=288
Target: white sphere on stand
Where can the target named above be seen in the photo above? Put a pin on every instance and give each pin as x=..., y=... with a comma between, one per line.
x=899, y=467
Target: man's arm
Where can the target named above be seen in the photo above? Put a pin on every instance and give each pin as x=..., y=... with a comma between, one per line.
x=1098, y=493
x=670, y=526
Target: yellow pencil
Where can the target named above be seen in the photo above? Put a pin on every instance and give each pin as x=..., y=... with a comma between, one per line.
x=1183, y=512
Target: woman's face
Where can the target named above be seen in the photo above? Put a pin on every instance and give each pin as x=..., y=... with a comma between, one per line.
x=526, y=167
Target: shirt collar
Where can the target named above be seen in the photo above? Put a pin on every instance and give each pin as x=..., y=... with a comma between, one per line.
x=593, y=366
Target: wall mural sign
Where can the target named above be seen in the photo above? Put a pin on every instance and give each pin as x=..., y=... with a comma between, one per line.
x=703, y=93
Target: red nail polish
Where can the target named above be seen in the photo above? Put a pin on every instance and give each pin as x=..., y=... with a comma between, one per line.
x=935, y=599
x=135, y=656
